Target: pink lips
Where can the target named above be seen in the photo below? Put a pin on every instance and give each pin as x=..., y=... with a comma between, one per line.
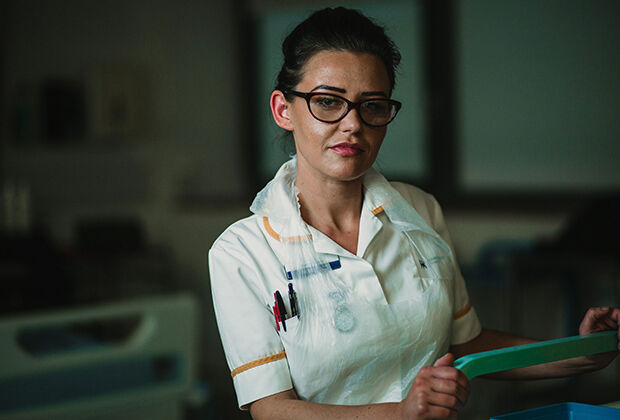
x=347, y=149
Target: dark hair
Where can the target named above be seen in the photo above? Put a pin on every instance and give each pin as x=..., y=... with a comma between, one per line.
x=334, y=29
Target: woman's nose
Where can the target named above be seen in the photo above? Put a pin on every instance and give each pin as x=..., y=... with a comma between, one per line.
x=351, y=122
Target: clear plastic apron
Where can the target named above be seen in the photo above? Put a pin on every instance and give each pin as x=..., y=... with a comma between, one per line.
x=344, y=349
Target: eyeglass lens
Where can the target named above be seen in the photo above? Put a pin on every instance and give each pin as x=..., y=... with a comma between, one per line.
x=331, y=108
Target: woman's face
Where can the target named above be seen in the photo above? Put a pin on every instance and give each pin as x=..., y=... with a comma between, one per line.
x=345, y=150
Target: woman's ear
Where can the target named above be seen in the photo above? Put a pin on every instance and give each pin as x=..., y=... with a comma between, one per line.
x=280, y=111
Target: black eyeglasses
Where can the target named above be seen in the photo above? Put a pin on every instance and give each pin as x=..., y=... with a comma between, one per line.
x=328, y=108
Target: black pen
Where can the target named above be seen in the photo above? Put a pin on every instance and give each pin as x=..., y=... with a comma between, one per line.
x=292, y=298
x=281, y=309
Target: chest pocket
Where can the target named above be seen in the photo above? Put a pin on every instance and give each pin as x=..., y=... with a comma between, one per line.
x=431, y=256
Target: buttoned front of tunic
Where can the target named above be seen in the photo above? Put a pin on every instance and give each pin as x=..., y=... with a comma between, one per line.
x=367, y=322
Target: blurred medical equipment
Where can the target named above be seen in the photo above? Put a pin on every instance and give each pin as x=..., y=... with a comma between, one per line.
x=125, y=360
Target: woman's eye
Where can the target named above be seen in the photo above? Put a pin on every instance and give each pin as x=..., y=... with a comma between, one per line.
x=327, y=102
x=377, y=107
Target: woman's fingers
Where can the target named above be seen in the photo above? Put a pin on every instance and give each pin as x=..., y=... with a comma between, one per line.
x=605, y=317
x=445, y=360
x=451, y=374
x=447, y=400
x=443, y=369
x=425, y=404
x=437, y=392
x=600, y=319
x=439, y=412
x=449, y=393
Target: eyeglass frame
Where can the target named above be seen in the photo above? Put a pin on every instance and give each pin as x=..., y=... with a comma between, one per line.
x=350, y=105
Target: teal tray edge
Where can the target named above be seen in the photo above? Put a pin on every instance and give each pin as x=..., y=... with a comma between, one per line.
x=515, y=357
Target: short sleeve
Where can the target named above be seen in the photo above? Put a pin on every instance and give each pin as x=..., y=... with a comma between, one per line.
x=466, y=325
x=253, y=348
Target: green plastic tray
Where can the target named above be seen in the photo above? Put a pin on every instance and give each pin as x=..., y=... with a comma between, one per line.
x=508, y=358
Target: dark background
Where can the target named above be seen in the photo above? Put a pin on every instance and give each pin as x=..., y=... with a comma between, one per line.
x=129, y=144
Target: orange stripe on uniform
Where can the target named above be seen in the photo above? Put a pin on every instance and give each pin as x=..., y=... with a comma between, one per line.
x=275, y=235
x=258, y=362
x=269, y=229
x=463, y=311
x=378, y=210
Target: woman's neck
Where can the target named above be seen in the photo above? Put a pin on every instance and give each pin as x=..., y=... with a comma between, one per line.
x=332, y=207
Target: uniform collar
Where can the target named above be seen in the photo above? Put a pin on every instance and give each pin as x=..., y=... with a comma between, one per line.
x=386, y=199
x=279, y=201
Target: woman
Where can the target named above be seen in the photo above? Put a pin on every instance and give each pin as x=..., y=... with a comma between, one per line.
x=340, y=297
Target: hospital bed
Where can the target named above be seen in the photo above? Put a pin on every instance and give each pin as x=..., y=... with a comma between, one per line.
x=127, y=360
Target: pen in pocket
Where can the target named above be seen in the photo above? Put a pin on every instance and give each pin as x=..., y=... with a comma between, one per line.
x=281, y=309
x=292, y=298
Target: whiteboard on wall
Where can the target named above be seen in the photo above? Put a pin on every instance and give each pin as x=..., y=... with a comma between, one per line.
x=539, y=95
x=403, y=154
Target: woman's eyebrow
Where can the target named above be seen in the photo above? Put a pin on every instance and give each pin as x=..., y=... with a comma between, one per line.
x=340, y=90
x=335, y=89
x=374, y=93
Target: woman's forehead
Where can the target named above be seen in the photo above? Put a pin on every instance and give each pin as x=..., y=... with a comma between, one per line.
x=345, y=70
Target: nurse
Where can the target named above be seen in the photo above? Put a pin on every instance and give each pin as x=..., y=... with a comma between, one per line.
x=340, y=297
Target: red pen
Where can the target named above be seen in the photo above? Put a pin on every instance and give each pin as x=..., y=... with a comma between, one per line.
x=276, y=314
x=281, y=308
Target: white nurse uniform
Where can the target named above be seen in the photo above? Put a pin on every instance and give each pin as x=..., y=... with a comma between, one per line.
x=367, y=322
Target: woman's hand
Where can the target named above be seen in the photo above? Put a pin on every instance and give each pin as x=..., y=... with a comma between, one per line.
x=597, y=320
x=600, y=319
x=438, y=392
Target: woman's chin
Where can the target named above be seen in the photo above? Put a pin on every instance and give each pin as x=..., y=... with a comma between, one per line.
x=349, y=172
